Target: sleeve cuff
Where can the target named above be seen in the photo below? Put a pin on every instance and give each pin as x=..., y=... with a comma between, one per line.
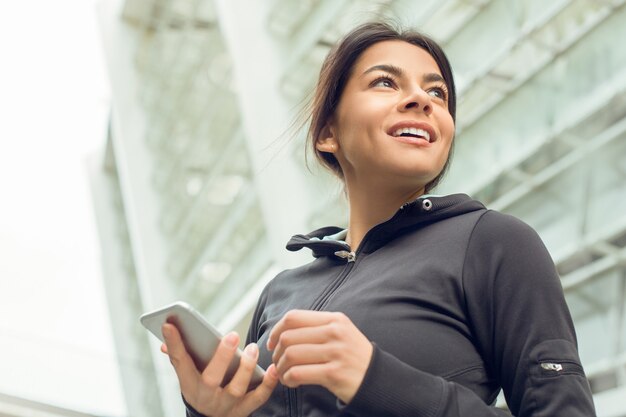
x=191, y=412
x=391, y=387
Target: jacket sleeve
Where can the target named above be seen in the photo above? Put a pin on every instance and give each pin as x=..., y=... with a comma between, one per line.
x=522, y=327
x=253, y=329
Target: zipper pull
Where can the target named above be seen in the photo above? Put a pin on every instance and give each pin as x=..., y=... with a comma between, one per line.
x=350, y=256
x=552, y=366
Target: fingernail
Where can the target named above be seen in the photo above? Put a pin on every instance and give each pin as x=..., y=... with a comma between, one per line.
x=251, y=350
x=166, y=332
x=231, y=339
x=272, y=371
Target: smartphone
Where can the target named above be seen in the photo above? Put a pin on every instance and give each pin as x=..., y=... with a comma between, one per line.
x=200, y=338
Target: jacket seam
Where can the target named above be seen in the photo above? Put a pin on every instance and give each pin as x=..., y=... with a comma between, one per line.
x=257, y=318
x=436, y=412
x=465, y=258
x=462, y=371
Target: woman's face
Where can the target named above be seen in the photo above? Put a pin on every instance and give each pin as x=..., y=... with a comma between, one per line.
x=391, y=126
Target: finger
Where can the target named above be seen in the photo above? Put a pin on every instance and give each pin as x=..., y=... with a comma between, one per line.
x=305, y=355
x=238, y=386
x=301, y=336
x=296, y=319
x=344, y=383
x=186, y=370
x=257, y=397
x=316, y=374
x=164, y=348
x=214, y=373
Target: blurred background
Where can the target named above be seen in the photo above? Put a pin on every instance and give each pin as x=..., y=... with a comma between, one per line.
x=149, y=154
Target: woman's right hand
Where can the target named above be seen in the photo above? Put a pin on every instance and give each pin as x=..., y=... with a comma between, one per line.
x=203, y=391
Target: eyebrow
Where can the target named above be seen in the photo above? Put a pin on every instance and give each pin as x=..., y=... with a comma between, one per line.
x=398, y=72
x=391, y=69
x=433, y=77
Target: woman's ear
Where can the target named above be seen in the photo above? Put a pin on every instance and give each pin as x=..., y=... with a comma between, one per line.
x=327, y=140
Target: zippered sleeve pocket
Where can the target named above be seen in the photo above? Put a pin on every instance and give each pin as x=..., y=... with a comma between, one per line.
x=557, y=367
x=558, y=385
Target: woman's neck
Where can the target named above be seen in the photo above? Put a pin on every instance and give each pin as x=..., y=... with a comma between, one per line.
x=370, y=206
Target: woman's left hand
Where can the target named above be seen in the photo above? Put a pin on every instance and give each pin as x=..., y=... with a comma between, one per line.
x=322, y=348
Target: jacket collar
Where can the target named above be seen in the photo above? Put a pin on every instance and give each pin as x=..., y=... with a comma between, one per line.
x=425, y=210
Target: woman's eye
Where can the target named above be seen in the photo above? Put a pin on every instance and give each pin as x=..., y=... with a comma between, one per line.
x=383, y=82
x=437, y=92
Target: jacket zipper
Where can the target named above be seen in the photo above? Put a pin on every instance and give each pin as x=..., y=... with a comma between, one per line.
x=549, y=366
x=555, y=368
x=293, y=401
x=338, y=282
x=292, y=393
x=351, y=258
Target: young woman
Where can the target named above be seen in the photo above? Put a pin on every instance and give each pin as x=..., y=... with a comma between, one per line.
x=426, y=305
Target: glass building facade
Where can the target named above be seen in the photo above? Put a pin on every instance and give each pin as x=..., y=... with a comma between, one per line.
x=204, y=177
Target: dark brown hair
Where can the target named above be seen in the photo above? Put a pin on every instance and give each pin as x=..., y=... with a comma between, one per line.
x=336, y=71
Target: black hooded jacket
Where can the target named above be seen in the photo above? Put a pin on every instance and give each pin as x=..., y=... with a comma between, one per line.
x=458, y=301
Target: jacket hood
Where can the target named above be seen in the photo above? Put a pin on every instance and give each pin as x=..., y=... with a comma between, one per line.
x=418, y=213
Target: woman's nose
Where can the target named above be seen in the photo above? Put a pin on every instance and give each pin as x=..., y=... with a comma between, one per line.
x=417, y=100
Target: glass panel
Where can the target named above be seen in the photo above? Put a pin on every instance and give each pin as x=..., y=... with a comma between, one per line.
x=593, y=307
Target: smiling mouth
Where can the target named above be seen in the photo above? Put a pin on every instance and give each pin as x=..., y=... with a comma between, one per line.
x=412, y=132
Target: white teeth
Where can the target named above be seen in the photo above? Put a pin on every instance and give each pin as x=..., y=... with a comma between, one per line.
x=413, y=131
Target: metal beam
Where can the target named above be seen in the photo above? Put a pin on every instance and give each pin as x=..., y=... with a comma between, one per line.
x=465, y=124
x=135, y=167
x=611, y=134
x=265, y=116
x=593, y=270
x=453, y=26
x=244, y=284
x=222, y=160
x=596, y=103
x=240, y=208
